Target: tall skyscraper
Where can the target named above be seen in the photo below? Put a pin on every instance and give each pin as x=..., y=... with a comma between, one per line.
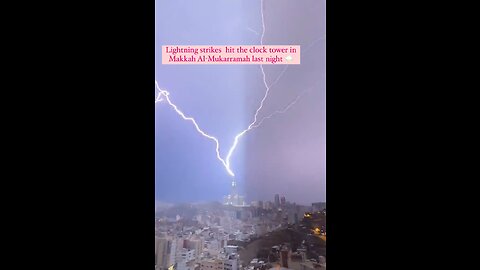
x=282, y=201
x=164, y=253
x=234, y=198
x=277, y=200
x=234, y=187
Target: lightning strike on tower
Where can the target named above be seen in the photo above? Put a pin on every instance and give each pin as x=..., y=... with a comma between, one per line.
x=164, y=95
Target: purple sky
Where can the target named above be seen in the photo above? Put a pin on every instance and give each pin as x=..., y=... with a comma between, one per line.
x=286, y=155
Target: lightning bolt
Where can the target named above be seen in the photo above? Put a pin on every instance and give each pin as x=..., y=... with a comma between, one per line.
x=239, y=135
x=253, y=31
x=164, y=95
x=284, y=110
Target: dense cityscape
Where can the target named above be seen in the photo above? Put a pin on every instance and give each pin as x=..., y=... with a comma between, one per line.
x=234, y=235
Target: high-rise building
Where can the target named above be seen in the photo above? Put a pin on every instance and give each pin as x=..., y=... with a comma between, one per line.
x=277, y=200
x=185, y=255
x=234, y=198
x=231, y=263
x=319, y=206
x=268, y=205
x=230, y=249
x=282, y=201
x=195, y=244
x=164, y=253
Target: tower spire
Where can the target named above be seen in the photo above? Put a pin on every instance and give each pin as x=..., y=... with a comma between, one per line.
x=234, y=198
x=234, y=187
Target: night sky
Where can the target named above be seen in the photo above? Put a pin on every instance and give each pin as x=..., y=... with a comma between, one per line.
x=286, y=155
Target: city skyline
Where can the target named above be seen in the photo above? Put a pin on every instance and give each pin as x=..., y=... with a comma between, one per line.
x=247, y=201
x=232, y=236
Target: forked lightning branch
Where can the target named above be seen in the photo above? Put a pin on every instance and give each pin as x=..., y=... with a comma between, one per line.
x=164, y=95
